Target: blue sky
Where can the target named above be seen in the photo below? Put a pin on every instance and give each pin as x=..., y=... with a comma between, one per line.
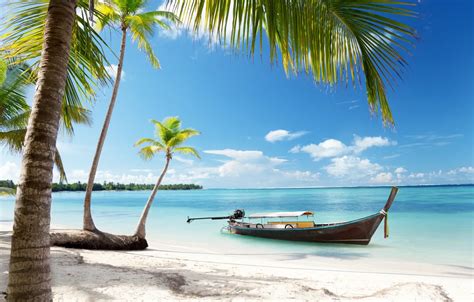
x=262, y=129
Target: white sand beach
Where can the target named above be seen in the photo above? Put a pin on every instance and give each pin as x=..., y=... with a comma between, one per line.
x=169, y=272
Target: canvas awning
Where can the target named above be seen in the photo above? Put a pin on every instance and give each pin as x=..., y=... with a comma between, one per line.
x=281, y=214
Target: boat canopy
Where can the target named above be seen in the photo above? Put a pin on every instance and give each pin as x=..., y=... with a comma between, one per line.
x=281, y=214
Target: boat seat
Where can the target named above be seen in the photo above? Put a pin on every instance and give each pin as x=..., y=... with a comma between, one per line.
x=298, y=224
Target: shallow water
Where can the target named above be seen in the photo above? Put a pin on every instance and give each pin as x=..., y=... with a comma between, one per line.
x=427, y=224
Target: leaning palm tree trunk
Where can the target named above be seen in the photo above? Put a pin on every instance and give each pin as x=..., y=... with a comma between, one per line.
x=140, y=232
x=29, y=275
x=88, y=223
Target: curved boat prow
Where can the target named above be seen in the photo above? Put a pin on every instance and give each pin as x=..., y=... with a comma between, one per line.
x=390, y=199
x=385, y=209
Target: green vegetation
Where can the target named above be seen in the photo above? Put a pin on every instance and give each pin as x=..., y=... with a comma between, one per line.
x=128, y=16
x=169, y=139
x=7, y=187
x=106, y=186
x=111, y=186
x=15, y=111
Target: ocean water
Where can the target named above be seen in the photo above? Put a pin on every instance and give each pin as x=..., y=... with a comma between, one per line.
x=427, y=224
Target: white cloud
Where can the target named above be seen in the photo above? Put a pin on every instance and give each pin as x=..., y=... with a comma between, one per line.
x=295, y=149
x=283, y=135
x=9, y=170
x=466, y=170
x=392, y=156
x=363, y=143
x=251, y=168
x=400, y=170
x=352, y=167
x=246, y=155
x=333, y=147
x=112, y=71
x=462, y=170
x=244, y=161
x=173, y=33
x=327, y=148
x=382, y=178
x=416, y=175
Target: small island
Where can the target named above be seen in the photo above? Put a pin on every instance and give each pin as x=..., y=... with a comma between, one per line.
x=107, y=186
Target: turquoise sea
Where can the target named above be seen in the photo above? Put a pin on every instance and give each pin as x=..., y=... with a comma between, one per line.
x=427, y=224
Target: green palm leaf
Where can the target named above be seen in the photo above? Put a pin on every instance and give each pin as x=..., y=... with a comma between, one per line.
x=169, y=138
x=14, y=112
x=22, y=39
x=337, y=41
x=187, y=150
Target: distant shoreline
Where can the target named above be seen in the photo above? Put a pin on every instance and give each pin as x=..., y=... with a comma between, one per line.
x=106, y=186
x=347, y=187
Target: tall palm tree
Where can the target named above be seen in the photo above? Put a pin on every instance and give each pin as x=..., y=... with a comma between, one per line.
x=336, y=40
x=29, y=275
x=169, y=140
x=68, y=61
x=127, y=16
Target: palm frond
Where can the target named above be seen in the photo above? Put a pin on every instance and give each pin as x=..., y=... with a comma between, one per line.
x=109, y=13
x=172, y=123
x=3, y=71
x=181, y=136
x=59, y=165
x=162, y=131
x=22, y=39
x=149, y=152
x=142, y=141
x=337, y=41
x=13, y=139
x=141, y=29
x=187, y=150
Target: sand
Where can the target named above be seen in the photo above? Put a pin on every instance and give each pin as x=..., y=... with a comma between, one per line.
x=174, y=273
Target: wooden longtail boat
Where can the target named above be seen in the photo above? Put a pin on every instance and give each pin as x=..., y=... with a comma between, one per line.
x=357, y=231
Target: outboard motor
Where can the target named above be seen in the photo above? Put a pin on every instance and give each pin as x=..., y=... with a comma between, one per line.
x=238, y=214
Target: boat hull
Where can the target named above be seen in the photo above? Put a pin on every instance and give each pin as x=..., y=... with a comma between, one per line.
x=358, y=231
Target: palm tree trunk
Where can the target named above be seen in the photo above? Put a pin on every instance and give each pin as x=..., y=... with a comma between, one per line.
x=140, y=232
x=88, y=223
x=29, y=275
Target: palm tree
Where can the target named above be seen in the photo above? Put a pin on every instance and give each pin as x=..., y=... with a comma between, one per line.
x=169, y=140
x=128, y=16
x=337, y=41
x=67, y=60
x=30, y=240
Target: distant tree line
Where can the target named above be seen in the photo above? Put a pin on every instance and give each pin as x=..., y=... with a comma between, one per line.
x=108, y=186
x=7, y=184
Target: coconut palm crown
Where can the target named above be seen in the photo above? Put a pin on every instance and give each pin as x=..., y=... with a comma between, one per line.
x=129, y=15
x=170, y=137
